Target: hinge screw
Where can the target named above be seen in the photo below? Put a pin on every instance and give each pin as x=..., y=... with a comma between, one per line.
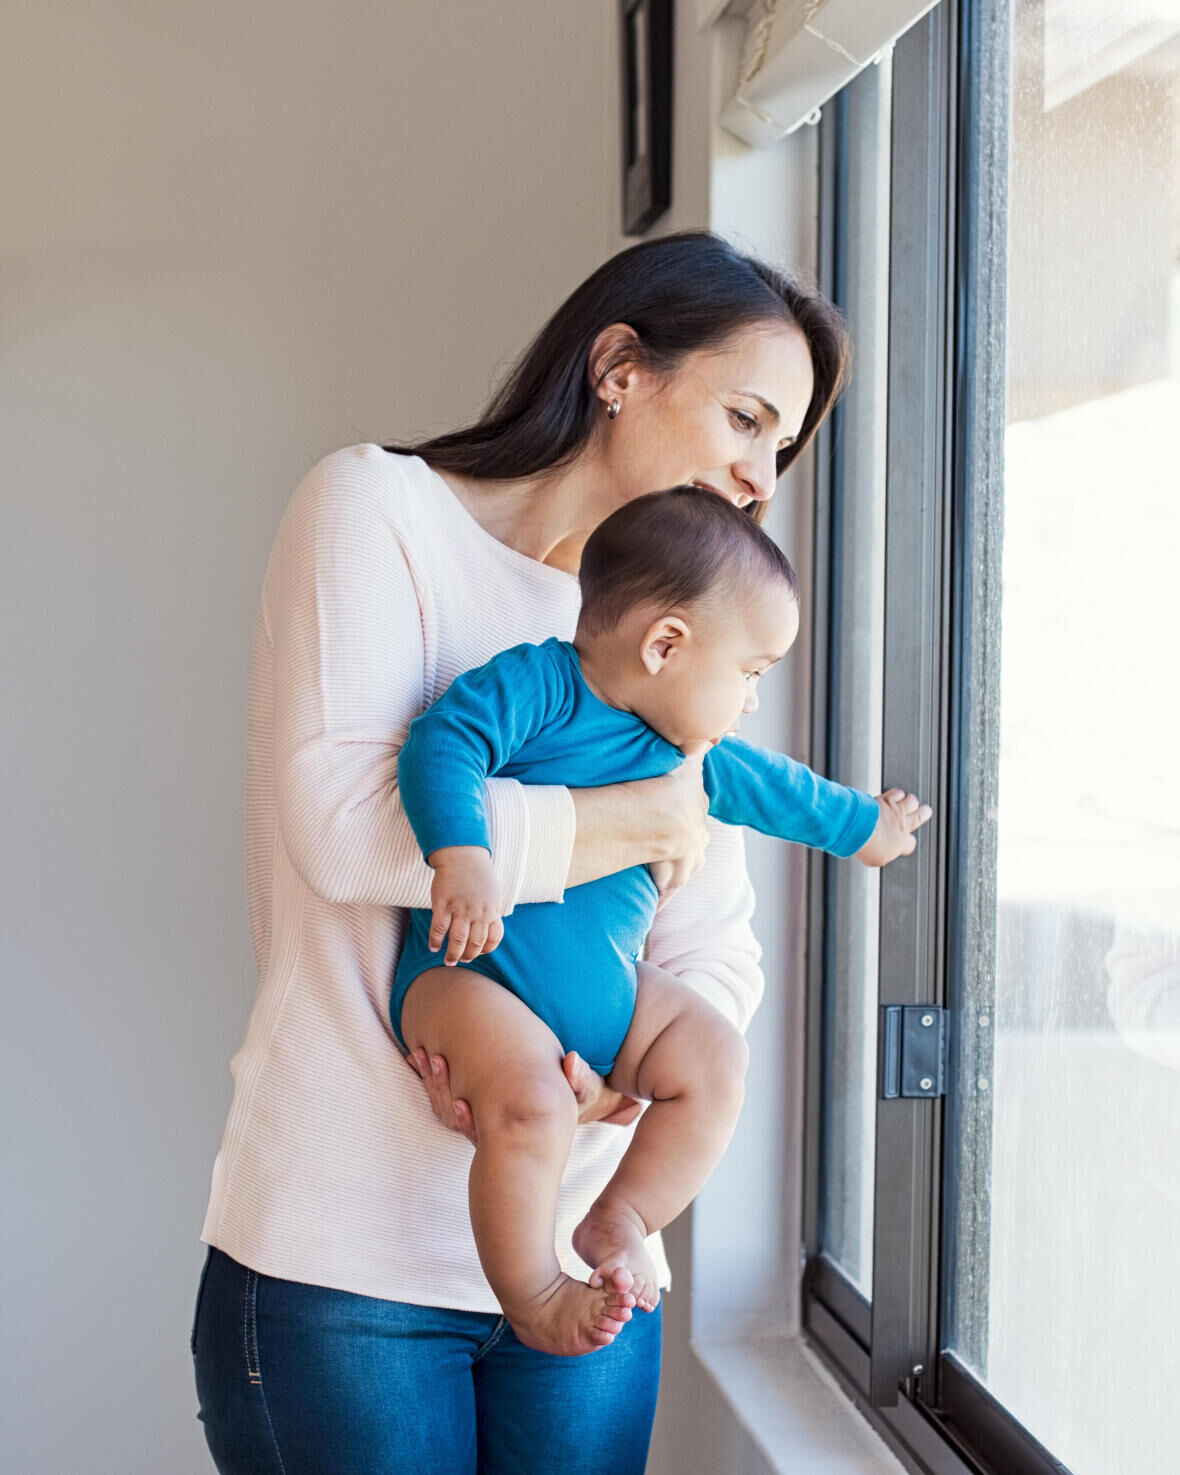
x=927, y=1020
x=925, y=1083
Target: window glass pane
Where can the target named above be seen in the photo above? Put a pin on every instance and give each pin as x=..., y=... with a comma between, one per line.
x=1066, y=1296
x=856, y=655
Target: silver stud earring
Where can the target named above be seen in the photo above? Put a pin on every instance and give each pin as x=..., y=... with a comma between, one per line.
x=612, y=410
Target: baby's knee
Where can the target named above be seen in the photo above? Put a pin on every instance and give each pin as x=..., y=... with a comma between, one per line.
x=530, y=1103
x=725, y=1059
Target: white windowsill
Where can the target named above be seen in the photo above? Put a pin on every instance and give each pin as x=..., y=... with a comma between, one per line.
x=793, y=1409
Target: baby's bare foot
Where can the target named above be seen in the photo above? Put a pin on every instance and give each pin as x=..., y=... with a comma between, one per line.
x=569, y=1318
x=611, y=1238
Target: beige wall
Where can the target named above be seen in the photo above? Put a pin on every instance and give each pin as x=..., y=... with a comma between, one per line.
x=231, y=237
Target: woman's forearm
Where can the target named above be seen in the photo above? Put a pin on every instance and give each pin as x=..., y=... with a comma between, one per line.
x=618, y=826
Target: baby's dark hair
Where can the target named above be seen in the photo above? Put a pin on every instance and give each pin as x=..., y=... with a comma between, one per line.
x=673, y=548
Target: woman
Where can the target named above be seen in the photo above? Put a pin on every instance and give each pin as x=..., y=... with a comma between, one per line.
x=342, y=1323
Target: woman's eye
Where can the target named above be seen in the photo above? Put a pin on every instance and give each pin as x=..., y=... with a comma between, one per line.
x=744, y=421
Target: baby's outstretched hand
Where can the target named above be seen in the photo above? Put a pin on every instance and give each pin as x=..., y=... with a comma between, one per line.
x=898, y=815
x=466, y=903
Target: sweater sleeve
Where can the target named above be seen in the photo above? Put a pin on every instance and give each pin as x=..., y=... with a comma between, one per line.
x=483, y=718
x=702, y=935
x=344, y=617
x=772, y=793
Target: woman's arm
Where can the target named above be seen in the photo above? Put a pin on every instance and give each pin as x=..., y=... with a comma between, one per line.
x=642, y=822
x=342, y=614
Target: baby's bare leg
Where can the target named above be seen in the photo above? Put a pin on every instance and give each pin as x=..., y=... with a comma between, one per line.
x=690, y=1063
x=507, y=1064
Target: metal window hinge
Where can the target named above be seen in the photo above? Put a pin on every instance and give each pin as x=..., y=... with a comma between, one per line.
x=913, y=1050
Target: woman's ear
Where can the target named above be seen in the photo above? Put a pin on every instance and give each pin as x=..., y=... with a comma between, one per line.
x=613, y=361
x=661, y=640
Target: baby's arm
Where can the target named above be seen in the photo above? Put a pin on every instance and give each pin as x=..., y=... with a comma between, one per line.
x=485, y=717
x=770, y=792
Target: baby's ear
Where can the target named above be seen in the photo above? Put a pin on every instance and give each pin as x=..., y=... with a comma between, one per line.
x=661, y=641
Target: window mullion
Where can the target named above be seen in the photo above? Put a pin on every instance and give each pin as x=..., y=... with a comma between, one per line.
x=915, y=750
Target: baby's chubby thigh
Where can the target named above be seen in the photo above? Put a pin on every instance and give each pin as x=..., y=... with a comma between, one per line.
x=679, y=1045
x=501, y=1058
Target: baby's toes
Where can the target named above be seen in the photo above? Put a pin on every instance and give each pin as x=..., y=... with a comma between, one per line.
x=647, y=1296
x=617, y=1279
x=605, y=1322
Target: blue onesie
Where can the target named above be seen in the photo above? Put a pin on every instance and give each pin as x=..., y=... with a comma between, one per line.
x=528, y=714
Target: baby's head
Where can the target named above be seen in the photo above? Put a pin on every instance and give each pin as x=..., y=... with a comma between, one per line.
x=685, y=603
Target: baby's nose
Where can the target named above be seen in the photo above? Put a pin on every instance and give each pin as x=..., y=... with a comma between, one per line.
x=751, y=702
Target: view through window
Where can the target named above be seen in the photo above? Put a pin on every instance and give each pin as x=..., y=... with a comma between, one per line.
x=1067, y=1308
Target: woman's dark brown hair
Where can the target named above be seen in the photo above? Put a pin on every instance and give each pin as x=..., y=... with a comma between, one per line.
x=681, y=294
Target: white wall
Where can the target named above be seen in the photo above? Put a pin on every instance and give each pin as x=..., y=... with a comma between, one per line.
x=231, y=238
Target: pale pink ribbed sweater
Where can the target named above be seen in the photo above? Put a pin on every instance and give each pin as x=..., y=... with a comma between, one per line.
x=381, y=588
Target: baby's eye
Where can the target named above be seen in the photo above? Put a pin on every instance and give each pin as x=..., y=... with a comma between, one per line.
x=743, y=421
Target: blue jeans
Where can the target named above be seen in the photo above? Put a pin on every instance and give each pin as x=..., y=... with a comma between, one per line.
x=297, y=1380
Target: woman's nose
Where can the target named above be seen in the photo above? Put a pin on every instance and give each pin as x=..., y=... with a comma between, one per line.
x=759, y=476
x=751, y=702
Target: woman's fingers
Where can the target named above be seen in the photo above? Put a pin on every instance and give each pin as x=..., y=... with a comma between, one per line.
x=625, y=1114
x=586, y=1084
x=465, y=1122
x=597, y=1102
x=432, y=1071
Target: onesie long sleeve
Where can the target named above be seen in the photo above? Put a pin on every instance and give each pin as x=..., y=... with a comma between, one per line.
x=529, y=714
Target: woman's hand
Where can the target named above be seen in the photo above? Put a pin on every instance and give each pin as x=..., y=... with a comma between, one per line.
x=685, y=806
x=431, y=1070
x=596, y=1101
x=657, y=822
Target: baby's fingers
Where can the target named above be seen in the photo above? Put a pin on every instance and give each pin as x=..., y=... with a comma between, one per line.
x=476, y=937
x=439, y=923
x=908, y=807
x=460, y=930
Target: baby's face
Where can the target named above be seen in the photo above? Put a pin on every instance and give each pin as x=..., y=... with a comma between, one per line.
x=712, y=682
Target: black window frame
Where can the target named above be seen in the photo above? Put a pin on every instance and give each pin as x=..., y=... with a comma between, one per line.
x=945, y=414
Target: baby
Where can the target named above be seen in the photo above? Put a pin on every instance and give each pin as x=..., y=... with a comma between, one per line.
x=686, y=603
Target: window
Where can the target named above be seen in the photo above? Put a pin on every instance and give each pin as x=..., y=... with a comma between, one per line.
x=999, y=519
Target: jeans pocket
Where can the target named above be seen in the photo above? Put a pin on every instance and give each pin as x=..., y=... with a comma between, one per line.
x=192, y=1340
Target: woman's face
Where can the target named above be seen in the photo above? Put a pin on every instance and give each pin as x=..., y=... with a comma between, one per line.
x=718, y=422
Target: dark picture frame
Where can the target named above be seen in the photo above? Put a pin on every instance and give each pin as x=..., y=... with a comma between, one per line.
x=645, y=51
